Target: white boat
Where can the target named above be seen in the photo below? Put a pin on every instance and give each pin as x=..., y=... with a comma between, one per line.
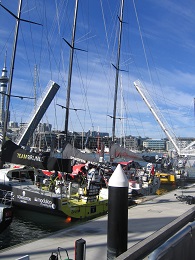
x=142, y=181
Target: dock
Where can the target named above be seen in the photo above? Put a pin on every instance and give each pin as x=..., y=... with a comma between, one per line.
x=150, y=215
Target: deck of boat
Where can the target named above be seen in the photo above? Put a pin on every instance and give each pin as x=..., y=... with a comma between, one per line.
x=166, y=178
x=143, y=220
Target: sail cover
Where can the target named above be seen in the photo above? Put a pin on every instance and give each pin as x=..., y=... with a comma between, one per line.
x=13, y=153
x=116, y=151
x=71, y=152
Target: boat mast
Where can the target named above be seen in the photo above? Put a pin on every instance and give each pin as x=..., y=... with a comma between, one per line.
x=117, y=70
x=35, y=96
x=11, y=71
x=70, y=71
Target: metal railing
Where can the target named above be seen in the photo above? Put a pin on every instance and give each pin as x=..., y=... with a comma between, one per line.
x=6, y=197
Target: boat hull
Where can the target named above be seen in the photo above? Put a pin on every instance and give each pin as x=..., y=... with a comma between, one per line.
x=6, y=214
x=33, y=198
x=84, y=209
x=6, y=210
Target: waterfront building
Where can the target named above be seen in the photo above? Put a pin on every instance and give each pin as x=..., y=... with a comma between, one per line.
x=132, y=142
x=154, y=144
x=182, y=142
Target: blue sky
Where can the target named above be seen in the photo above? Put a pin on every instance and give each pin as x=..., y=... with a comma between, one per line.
x=158, y=48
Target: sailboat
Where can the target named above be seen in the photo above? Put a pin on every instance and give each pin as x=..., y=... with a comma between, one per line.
x=23, y=175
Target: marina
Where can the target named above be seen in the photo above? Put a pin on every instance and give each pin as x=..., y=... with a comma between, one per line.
x=35, y=225
x=39, y=175
x=143, y=220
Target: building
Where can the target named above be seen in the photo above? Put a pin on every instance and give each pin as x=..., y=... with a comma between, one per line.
x=182, y=142
x=154, y=144
x=133, y=143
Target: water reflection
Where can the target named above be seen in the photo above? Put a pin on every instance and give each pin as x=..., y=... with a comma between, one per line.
x=28, y=225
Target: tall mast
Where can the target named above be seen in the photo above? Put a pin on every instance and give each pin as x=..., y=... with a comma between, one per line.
x=11, y=71
x=35, y=96
x=117, y=70
x=70, y=71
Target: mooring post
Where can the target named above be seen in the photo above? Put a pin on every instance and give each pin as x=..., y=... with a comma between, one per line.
x=80, y=249
x=117, y=213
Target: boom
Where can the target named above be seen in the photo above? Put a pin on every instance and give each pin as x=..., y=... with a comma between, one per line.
x=44, y=103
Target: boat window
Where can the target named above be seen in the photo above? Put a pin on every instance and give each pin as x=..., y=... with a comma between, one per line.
x=31, y=175
x=15, y=175
x=24, y=175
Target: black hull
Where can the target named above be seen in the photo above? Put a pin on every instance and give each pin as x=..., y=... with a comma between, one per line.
x=36, y=201
x=31, y=198
x=33, y=208
x=6, y=218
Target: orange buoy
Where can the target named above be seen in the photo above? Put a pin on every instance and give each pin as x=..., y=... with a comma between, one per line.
x=68, y=220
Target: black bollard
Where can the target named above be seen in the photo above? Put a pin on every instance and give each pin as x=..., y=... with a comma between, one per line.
x=117, y=213
x=80, y=249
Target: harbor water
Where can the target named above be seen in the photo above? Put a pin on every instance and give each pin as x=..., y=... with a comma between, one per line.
x=30, y=225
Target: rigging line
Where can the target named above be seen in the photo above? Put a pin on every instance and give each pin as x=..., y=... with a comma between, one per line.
x=73, y=124
x=161, y=88
x=29, y=10
x=85, y=91
x=142, y=41
x=79, y=121
x=140, y=76
x=105, y=73
x=132, y=120
x=139, y=115
x=87, y=58
x=125, y=62
x=47, y=39
x=82, y=38
x=59, y=32
x=104, y=23
x=54, y=58
x=49, y=36
x=4, y=47
x=41, y=40
x=62, y=59
x=25, y=48
x=114, y=24
x=31, y=34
